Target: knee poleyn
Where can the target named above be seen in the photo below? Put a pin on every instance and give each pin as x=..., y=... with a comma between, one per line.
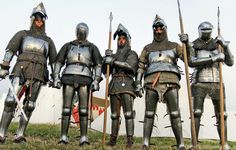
x=175, y=114
x=30, y=106
x=10, y=102
x=128, y=115
x=83, y=112
x=197, y=113
x=149, y=114
x=66, y=112
x=114, y=116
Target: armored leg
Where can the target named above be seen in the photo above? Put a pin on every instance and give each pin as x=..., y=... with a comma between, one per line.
x=127, y=105
x=68, y=93
x=199, y=92
x=83, y=94
x=198, y=103
x=8, y=111
x=216, y=103
x=173, y=106
x=115, y=116
x=151, y=99
x=29, y=106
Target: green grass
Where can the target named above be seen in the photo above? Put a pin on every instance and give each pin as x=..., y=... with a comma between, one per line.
x=45, y=137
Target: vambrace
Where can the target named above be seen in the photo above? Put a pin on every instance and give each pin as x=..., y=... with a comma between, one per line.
x=138, y=84
x=7, y=59
x=229, y=57
x=98, y=73
x=140, y=71
x=139, y=77
x=194, y=61
x=123, y=65
x=56, y=70
x=8, y=55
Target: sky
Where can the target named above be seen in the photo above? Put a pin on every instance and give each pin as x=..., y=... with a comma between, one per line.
x=137, y=16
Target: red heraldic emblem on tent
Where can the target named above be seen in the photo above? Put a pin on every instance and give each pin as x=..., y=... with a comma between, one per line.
x=97, y=108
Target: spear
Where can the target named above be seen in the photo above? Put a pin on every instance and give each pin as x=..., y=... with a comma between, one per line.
x=107, y=82
x=193, y=131
x=222, y=133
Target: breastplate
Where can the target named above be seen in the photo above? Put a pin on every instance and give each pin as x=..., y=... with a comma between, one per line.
x=35, y=45
x=79, y=54
x=206, y=53
x=166, y=56
x=207, y=73
x=164, y=60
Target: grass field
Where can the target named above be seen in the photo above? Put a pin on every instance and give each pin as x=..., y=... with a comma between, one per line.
x=45, y=137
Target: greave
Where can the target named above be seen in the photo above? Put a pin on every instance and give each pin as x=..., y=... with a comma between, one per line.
x=197, y=121
x=219, y=130
x=129, y=123
x=83, y=129
x=114, y=132
x=115, y=127
x=5, y=122
x=23, y=124
x=65, y=123
x=147, y=131
x=177, y=129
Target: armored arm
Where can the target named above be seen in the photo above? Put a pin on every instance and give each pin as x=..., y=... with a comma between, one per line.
x=97, y=61
x=56, y=75
x=205, y=58
x=140, y=72
x=130, y=64
x=11, y=49
x=123, y=65
x=4, y=69
x=229, y=57
x=97, y=78
x=52, y=55
x=57, y=65
x=138, y=83
x=198, y=61
x=6, y=61
x=193, y=60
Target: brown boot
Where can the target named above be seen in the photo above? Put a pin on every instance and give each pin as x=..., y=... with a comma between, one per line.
x=129, y=142
x=112, y=141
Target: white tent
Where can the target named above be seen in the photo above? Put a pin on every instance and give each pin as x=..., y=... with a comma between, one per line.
x=49, y=104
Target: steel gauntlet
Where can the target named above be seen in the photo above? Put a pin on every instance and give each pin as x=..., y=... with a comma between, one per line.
x=138, y=85
x=4, y=69
x=56, y=75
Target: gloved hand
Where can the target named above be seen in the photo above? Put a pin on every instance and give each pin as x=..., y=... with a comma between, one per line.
x=108, y=52
x=4, y=71
x=109, y=60
x=138, y=88
x=94, y=86
x=183, y=38
x=56, y=81
x=219, y=39
x=218, y=58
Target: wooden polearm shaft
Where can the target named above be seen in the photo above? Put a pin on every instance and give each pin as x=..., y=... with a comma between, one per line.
x=107, y=82
x=222, y=123
x=193, y=131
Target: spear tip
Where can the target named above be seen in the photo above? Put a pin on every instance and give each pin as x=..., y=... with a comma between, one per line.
x=178, y=3
x=110, y=17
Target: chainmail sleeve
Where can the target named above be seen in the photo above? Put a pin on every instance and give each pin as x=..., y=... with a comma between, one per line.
x=14, y=45
x=142, y=61
x=96, y=55
x=52, y=52
x=61, y=56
